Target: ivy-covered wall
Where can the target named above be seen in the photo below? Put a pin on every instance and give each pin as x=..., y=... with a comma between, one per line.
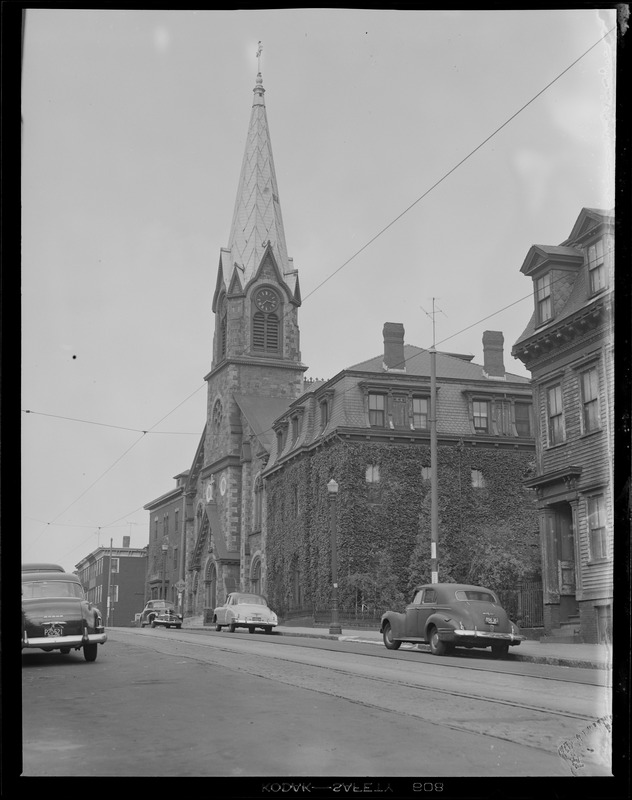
x=487, y=535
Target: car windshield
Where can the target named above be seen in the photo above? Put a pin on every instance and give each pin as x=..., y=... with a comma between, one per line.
x=473, y=594
x=250, y=599
x=32, y=589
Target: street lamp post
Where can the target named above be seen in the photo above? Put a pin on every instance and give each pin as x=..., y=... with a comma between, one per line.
x=165, y=547
x=332, y=488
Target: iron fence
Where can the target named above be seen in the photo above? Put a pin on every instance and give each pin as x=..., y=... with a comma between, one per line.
x=524, y=604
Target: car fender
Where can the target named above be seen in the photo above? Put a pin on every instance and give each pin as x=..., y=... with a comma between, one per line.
x=440, y=620
x=396, y=620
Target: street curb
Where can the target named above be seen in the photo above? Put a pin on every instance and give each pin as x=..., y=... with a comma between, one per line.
x=553, y=661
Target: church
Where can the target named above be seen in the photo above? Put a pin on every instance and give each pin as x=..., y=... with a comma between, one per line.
x=252, y=511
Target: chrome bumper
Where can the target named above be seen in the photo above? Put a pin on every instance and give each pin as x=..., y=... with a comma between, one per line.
x=480, y=636
x=64, y=641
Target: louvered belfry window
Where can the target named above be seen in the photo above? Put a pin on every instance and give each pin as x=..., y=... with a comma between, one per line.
x=265, y=332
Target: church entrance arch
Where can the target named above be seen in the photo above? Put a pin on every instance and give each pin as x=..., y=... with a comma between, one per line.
x=210, y=584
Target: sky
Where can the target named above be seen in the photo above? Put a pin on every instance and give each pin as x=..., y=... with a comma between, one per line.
x=133, y=131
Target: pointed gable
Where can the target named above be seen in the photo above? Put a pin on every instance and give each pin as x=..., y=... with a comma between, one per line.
x=235, y=286
x=588, y=219
x=541, y=256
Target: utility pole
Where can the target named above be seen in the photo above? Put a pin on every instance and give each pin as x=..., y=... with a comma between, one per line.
x=434, y=466
x=109, y=603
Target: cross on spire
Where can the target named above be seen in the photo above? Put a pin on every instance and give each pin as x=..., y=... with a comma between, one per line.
x=259, y=49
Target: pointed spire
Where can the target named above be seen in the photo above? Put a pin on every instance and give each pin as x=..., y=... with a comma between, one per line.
x=257, y=216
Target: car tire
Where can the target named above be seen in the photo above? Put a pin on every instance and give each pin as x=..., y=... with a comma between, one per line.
x=64, y=650
x=437, y=647
x=218, y=627
x=387, y=636
x=251, y=629
x=500, y=650
x=178, y=627
x=231, y=627
x=90, y=651
x=268, y=629
x=142, y=624
x=152, y=624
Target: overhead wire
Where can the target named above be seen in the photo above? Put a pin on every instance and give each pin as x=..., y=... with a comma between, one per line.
x=342, y=266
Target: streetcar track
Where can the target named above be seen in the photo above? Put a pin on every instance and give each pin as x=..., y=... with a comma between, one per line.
x=400, y=682
x=464, y=727
x=470, y=666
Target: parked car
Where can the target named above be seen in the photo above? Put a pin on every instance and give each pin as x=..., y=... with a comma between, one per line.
x=167, y=619
x=449, y=615
x=57, y=616
x=244, y=610
x=42, y=568
x=153, y=608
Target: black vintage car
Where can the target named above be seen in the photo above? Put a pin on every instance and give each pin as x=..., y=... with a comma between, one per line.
x=155, y=608
x=449, y=615
x=57, y=616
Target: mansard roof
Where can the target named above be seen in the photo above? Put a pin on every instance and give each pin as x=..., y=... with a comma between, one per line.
x=579, y=298
x=448, y=365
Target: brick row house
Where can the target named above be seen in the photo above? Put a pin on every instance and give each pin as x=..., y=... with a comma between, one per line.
x=166, y=548
x=568, y=348
x=114, y=580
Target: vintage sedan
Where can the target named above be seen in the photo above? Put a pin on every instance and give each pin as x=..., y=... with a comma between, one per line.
x=245, y=610
x=166, y=619
x=152, y=609
x=449, y=615
x=57, y=616
x=46, y=567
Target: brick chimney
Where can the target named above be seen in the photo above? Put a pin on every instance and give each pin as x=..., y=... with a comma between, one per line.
x=126, y=541
x=493, y=363
x=394, y=346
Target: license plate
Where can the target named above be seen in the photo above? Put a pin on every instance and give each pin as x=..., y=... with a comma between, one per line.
x=491, y=620
x=53, y=631
x=258, y=618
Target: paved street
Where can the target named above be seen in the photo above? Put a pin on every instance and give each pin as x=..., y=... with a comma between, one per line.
x=199, y=703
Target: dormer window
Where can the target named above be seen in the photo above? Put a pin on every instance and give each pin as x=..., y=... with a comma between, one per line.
x=596, y=267
x=543, y=298
x=420, y=413
x=296, y=428
x=376, y=410
x=324, y=414
x=481, y=416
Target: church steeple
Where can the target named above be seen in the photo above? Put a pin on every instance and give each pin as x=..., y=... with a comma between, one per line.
x=257, y=217
x=257, y=291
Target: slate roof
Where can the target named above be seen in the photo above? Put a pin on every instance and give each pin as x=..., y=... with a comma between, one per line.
x=579, y=297
x=257, y=215
x=260, y=412
x=417, y=361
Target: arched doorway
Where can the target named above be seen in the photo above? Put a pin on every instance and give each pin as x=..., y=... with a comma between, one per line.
x=255, y=576
x=210, y=585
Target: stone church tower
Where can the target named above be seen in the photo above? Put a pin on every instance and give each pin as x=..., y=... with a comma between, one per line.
x=256, y=372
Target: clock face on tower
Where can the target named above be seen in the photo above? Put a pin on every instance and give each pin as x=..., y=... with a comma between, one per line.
x=266, y=300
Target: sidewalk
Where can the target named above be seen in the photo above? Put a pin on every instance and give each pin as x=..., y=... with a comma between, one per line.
x=589, y=656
